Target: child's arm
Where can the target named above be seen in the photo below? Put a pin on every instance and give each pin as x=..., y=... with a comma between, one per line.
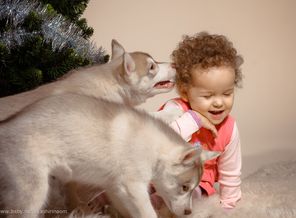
x=189, y=122
x=229, y=168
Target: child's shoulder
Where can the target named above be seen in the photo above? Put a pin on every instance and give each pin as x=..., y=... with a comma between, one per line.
x=176, y=102
x=180, y=103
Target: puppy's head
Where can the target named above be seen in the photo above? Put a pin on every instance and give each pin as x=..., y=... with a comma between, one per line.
x=144, y=76
x=177, y=181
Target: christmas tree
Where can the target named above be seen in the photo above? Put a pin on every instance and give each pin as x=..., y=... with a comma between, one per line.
x=42, y=40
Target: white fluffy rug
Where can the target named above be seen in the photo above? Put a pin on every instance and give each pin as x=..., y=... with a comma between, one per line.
x=269, y=192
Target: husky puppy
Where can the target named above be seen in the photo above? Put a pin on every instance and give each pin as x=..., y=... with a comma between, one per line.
x=129, y=78
x=100, y=143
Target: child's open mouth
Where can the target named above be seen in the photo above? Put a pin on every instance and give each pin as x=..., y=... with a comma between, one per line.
x=216, y=115
x=216, y=112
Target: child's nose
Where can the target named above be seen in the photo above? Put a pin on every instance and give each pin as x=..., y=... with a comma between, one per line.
x=218, y=102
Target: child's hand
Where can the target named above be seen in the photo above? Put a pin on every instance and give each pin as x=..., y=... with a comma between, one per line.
x=196, y=194
x=207, y=124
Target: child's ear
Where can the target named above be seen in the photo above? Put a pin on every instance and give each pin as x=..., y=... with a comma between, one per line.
x=183, y=94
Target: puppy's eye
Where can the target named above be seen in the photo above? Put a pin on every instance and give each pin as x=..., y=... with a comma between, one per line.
x=152, y=70
x=152, y=66
x=185, y=188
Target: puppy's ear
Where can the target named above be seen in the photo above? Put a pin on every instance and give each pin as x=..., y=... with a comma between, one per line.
x=208, y=155
x=196, y=155
x=190, y=156
x=117, y=49
x=129, y=63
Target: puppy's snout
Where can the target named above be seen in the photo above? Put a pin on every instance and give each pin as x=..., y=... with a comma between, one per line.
x=187, y=211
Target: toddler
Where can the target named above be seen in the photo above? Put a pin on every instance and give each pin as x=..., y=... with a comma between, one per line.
x=208, y=70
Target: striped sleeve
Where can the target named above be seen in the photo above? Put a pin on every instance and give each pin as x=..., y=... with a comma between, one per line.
x=185, y=125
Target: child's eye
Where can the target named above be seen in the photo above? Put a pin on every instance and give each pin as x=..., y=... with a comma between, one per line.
x=207, y=96
x=228, y=94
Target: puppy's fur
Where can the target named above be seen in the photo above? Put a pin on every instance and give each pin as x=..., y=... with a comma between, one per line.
x=95, y=142
x=129, y=78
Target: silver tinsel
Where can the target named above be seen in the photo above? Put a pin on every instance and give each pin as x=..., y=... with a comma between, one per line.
x=56, y=29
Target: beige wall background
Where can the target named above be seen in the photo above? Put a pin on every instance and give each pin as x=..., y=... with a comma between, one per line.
x=263, y=31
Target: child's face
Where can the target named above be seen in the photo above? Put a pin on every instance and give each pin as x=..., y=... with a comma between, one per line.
x=212, y=92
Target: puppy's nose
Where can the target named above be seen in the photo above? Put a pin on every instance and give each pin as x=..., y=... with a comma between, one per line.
x=187, y=211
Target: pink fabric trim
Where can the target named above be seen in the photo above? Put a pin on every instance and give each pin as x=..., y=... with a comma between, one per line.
x=195, y=117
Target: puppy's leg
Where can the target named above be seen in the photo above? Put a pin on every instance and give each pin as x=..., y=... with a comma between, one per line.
x=132, y=200
x=26, y=194
x=71, y=197
x=62, y=175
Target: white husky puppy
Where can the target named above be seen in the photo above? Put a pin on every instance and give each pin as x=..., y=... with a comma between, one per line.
x=100, y=143
x=129, y=78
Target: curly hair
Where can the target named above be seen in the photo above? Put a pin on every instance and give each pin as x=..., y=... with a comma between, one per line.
x=203, y=51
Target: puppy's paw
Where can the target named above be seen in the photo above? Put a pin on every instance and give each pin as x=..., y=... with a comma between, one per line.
x=98, y=203
x=112, y=212
x=77, y=212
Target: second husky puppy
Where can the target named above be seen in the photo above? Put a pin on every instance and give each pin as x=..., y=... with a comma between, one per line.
x=99, y=143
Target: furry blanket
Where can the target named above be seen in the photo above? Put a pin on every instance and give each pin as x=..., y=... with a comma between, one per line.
x=269, y=192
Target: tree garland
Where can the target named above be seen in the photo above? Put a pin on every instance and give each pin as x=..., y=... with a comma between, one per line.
x=55, y=28
x=38, y=45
